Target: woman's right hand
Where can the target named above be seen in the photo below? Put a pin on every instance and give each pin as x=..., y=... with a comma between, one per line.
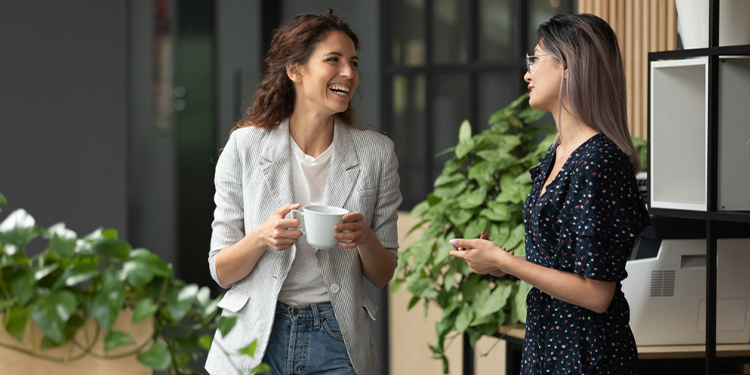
x=275, y=232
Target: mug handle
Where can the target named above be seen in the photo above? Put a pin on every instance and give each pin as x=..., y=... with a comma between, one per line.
x=301, y=220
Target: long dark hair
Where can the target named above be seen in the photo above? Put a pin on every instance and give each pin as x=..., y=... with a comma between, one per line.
x=292, y=43
x=587, y=46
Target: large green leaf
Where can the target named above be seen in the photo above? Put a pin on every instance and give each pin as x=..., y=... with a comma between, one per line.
x=464, y=318
x=3, y=201
x=464, y=131
x=140, y=271
x=15, y=321
x=472, y=199
x=43, y=271
x=157, y=357
x=18, y=229
x=145, y=309
x=497, y=299
x=475, y=228
x=116, y=339
x=205, y=341
x=22, y=287
x=51, y=312
x=460, y=217
x=105, y=307
x=76, y=274
x=116, y=249
x=226, y=323
x=62, y=245
x=177, y=308
x=519, y=305
x=260, y=369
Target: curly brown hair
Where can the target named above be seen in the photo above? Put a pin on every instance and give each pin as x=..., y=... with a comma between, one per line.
x=292, y=43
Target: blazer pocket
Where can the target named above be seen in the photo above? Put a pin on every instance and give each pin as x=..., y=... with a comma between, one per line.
x=233, y=300
x=367, y=192
x=369, y=307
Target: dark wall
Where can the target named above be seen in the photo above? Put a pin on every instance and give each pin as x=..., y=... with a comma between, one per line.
x=63, y=113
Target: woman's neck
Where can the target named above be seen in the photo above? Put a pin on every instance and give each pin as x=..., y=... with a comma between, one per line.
x=572, y=132
x=312, y=132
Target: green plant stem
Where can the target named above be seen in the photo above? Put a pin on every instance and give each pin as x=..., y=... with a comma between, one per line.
x=33, y=353
x=137, y=350
x=4, y=287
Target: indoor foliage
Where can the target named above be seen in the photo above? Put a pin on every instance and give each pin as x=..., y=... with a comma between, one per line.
x=482, y=188
x=96, y=277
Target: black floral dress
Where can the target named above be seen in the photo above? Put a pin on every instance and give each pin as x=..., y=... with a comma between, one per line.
x=586, y=222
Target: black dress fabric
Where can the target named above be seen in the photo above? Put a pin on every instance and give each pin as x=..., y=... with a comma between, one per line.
x=586, y=222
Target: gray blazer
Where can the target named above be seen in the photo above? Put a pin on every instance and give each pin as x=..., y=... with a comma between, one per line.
x=253, y=179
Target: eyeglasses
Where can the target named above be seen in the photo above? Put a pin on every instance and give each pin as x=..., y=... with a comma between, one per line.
x=531, y=60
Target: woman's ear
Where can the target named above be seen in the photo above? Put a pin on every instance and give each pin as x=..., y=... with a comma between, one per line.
x=293, y=72
x=565, y=76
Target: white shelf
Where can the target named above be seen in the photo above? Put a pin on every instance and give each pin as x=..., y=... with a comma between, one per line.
x=678, y=138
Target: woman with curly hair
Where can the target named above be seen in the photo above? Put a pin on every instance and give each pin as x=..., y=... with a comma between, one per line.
x=300, y=145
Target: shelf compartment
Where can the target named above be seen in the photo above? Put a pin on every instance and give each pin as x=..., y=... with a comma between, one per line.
x=678, y=134
x=734, y=135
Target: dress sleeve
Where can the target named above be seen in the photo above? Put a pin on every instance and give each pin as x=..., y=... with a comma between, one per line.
x=602, y=216
x=603, y=200
x=228, y=225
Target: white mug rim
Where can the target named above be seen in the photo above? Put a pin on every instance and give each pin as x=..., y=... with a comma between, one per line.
x=311, y=208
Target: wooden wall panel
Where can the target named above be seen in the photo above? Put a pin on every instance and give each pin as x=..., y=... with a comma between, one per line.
x=642, y=26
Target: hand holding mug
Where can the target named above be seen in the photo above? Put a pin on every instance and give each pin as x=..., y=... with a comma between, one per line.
x=353, y=231
x=275, y=232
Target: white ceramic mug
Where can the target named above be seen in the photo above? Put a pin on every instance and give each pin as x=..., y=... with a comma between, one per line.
x=317, y=222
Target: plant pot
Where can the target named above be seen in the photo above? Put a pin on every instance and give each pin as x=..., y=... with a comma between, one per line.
x=734, y=27
x=14, y=362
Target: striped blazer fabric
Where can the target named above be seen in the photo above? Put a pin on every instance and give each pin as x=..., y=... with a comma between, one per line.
x=253, y=179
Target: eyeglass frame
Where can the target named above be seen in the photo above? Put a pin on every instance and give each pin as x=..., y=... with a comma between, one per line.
x=530, y=63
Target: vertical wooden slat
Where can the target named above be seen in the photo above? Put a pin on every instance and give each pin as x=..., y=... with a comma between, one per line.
x=663, y=26
x=671, y=25
x=629, y=52
x=641, y=26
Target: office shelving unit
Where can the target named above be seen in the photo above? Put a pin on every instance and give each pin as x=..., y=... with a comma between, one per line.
x=699, y=159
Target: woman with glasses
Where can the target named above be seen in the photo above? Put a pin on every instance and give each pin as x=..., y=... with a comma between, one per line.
x=584, y=211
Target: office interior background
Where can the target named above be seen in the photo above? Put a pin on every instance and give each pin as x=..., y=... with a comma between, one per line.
x=113, y=113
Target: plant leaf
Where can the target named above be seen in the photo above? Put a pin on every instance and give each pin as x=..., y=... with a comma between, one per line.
x=460, y=217
x=46, y=270
x=157, y=357
x=51, y=312
x=464, y=131
x=116, y=339
x=250, y=349
x=260, y=369
x=15, y=321
x=497, y=299
x=177, y=308
x=63, y=242
x=22, y=287
x=76, y=274
x=465, y=315
x=226, y=323
x=18, y=229
x=115, y=249
x=205, y=341
x=146, y=308
x=188, y=294
x=105, y=307
x=3, y=201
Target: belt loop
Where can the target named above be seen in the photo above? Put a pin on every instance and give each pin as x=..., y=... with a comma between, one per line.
x=316, y=318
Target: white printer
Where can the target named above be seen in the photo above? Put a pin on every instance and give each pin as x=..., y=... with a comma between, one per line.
x=666, y=289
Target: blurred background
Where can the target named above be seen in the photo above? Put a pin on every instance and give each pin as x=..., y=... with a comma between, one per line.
x=113, y=113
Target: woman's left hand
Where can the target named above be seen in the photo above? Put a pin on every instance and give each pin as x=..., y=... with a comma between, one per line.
x=353, y=231
x=483, y=256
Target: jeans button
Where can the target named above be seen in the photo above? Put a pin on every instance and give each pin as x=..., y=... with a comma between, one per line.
x=334, y=288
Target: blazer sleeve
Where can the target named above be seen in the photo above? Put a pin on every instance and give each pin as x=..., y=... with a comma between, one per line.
x=389, y=198
x=228, y=225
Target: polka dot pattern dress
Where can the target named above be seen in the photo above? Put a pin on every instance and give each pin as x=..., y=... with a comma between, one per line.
x=586, y=222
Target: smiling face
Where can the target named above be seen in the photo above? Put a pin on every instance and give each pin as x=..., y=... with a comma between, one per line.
x=544, y=81
x=327, y=82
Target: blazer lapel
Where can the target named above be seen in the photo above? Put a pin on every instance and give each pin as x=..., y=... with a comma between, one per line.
x=344, y=168
x=276, y=164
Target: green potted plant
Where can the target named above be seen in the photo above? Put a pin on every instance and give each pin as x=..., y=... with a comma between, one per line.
x=482, y=188
x=93, y=279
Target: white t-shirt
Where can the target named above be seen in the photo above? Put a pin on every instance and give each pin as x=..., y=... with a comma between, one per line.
x=304, y=283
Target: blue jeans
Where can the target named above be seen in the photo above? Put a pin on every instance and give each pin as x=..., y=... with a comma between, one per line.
x=306, y=340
